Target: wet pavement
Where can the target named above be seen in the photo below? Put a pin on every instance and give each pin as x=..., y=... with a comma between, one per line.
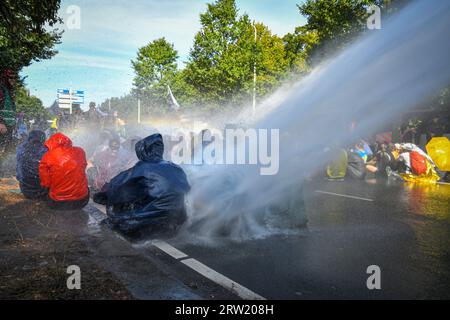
x=37, y=245
x=403, y=229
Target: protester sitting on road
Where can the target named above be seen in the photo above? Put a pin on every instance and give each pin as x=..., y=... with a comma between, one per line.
x=28, y=156
x=337, y=167
x=151, y=194
x=404, y=162
x=369, y=166
x=62, y=170
x=367, y=149
x=356, y=168
x=102, y=142
x=415, y=165
x=412, y=147
x=394, y=150
x=386, y=161
x=107, y=164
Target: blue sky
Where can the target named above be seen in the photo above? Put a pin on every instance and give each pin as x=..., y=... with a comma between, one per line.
x=96, y=58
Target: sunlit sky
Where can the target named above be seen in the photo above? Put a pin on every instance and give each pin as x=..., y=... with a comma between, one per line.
x=96, y=57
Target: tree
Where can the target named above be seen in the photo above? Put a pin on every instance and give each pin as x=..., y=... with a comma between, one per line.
x=297, y=47
x=268, y=53
x=336, y=23
x=155, y=67
x=27, y=32
x=30, y=105
x=221, y=62
x=208, y=69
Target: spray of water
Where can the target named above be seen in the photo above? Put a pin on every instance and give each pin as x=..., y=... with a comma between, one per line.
x=372, y=82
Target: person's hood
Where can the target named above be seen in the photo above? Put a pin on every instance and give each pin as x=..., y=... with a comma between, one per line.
x=150, y=149
x=36, y=136
x=58, y=140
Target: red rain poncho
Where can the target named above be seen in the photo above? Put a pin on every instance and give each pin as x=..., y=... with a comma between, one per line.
x=62, y=170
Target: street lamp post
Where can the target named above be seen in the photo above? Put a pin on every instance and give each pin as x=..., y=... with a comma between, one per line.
x=254, y=74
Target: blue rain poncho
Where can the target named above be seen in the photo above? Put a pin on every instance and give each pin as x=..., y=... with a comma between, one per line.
x=150, y=193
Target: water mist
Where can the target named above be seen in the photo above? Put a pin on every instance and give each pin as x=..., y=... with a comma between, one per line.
x=372, y=82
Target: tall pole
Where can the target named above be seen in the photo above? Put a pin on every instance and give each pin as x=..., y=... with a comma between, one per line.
x=254, y=74
x=139, y=110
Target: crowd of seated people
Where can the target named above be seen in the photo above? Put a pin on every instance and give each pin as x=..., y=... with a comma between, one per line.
x=139, y=189
x=403, y=161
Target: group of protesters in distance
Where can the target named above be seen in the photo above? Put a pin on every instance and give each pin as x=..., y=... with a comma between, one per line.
x=94, y=118
x=380, y=157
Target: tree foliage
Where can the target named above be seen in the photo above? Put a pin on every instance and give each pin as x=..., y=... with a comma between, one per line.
x=24, y=31
x=337, y=23
x=219, y=71
x=220, y=68
x=29, y=104
x=222, y=60
x=297, y=47
x=155, y=67
x=216, y=62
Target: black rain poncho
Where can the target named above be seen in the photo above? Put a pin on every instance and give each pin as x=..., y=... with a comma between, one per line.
x=28, y=156
x=150, y=193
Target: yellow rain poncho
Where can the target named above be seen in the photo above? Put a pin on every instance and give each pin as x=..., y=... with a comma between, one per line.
x=338, y=167
x=54, y=124
x=439, y=150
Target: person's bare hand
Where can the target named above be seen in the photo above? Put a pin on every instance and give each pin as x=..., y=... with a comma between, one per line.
x=3, y=129
x=89, y=165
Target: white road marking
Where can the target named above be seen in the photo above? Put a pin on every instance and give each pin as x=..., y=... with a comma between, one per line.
x=200, y=268
x=167, y=248
x=220, y=279
x=344, y=195
x=447, y=183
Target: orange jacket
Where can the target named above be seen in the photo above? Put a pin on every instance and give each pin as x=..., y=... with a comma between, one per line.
x=62, y=170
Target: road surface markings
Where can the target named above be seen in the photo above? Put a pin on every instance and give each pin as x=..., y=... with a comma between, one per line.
x=447, y=183
x=167, y=248
x=200, y=268
x=344, y=195
x=220, y=279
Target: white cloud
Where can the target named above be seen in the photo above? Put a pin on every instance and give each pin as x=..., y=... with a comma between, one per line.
x=126, y=26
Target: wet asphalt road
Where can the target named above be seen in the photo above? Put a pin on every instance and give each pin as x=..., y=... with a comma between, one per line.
x=405, y=230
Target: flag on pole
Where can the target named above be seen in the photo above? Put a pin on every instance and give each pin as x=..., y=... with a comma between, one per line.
x=172, y=101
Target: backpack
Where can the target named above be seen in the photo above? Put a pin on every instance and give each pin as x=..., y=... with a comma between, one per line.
x=418, y=163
